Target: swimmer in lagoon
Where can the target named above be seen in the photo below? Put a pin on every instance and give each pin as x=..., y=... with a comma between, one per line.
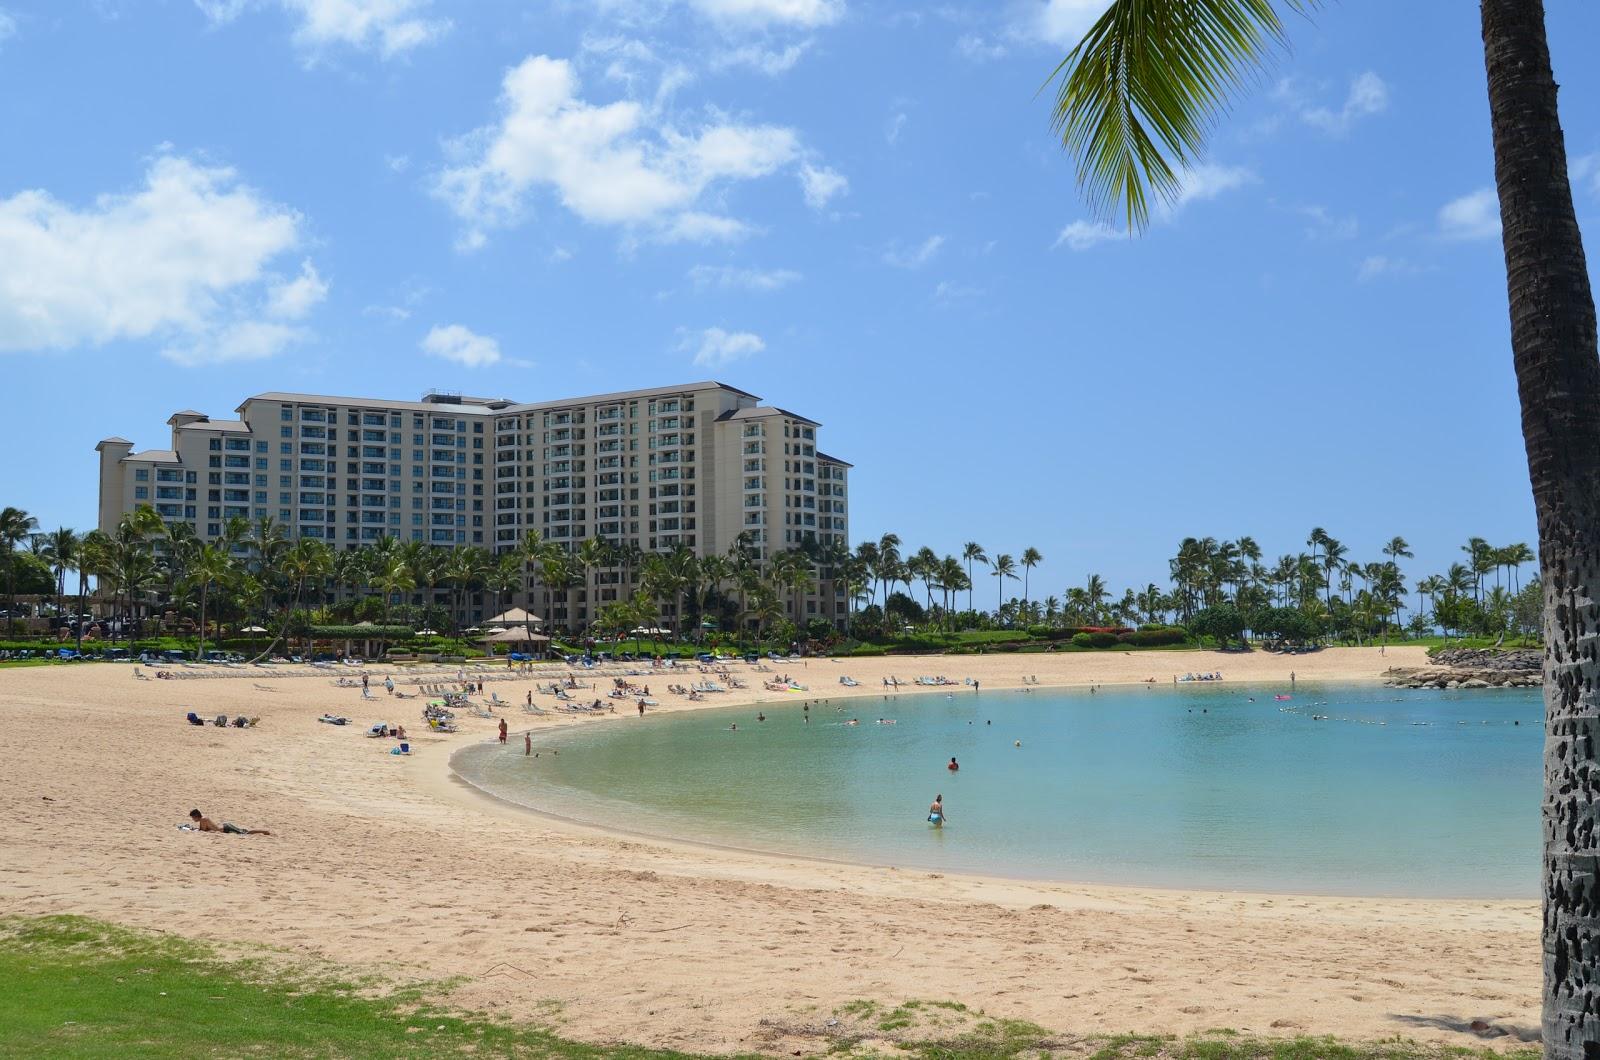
x=936, y=812
x=953, y=766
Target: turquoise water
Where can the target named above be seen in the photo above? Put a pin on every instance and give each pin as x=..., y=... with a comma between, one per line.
x=1396, y=792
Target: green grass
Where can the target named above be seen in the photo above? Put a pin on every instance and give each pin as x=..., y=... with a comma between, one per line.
x=81, y=989
x=78, y=988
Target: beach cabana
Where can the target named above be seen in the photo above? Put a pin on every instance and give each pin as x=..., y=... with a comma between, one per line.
x=534, y=641
x=515, y=617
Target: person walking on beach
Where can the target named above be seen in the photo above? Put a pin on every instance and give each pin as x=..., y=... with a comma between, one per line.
x=364, y=680
x=502, y=730
x=936, y=812
x=527, y=744
x=1291, y=678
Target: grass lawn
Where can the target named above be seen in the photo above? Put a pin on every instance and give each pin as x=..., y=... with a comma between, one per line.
x=83, y=989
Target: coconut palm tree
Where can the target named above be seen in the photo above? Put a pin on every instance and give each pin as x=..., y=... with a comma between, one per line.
x=208, y=566
x=1138, y=96
x=1003, y=567
x=16, y=526
x=305, y=562
x=972, y=552
x=1516, y=556
x=60, y=551
x=1031, y=558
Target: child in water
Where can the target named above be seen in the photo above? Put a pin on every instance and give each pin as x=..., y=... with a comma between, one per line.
x=936, y=812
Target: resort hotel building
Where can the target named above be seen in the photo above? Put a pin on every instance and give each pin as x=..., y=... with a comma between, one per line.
x=695, y=466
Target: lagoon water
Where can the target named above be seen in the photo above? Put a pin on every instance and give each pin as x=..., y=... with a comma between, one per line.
x=1394, y=792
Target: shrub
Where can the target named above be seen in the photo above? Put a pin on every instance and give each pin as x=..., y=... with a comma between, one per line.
x=1102, y=639
x=1081, y=640
x=1155, y=637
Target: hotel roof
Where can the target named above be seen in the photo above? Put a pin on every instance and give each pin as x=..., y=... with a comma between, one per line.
x=438, y=406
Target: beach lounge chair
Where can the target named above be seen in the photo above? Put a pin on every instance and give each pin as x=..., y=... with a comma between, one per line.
x=194, y=719
x=334, y=719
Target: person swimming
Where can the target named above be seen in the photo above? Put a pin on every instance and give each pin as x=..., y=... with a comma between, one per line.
x=954, y=766
x=936, y=812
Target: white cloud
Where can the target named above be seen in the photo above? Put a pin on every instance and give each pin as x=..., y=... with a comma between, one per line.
x=726, y=277
x=461, y=345
x=8, y=25
x=242, y=340
x=806, y=13
x=820, y=184
x=897, y=124
x=604, y=162
x=1207, y=181
x=1082, y=235
x=694, y=227
x=393, y=312
x=1475, y=215
x=715, y=347
x=1203, y=182
x=914, y=257
x=1322, y=223
x=1377, y=266
x=949, y=291
x=1368, y=95
x=294, y=299
x=1585, y=171
x=979, y=49
x=183, y=259
x=762, y=60
x=1061, y=23
x=389, y=27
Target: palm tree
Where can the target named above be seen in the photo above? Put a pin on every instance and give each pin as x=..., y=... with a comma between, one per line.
x=15, y=527
x=1333, y=561
x=1147, y=81
x=1094, y=597
x=209, y=565
x=1031, y=558
x=1516, y=556
x=1004, y=567
x=972, y=551
x=61, y=552
x=888, y=562
x=307, y=561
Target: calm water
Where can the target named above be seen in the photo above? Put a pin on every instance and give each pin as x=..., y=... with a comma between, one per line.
x=1396, y=793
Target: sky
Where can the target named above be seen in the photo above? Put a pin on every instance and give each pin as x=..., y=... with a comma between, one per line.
x=852, y=208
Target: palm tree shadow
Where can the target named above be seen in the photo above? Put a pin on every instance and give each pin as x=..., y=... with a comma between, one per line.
x=1480, y=1028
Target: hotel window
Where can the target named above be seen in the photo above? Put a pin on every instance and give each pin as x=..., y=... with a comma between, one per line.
x=214, y=444
x=141, y=474
x=141, y=493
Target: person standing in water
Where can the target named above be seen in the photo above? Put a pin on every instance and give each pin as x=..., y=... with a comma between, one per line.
x=936, y=812
x=502, y=730
x=527, y=744
x=953, y=766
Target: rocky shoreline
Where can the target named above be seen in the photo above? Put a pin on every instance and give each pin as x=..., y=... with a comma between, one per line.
x=1473, y=668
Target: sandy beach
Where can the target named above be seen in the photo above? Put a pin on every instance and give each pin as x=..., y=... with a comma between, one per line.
x=392, y=864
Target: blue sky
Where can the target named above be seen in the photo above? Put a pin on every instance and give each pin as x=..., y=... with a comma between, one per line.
x=854, y=209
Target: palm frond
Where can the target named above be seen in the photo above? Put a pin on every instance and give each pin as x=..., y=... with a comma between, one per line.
x=1140, y=92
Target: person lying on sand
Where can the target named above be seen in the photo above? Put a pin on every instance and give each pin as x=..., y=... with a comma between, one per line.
x=202, y=823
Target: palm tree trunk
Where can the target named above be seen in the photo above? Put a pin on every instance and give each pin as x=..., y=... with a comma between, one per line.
x=1554, y=351
x=200, y=652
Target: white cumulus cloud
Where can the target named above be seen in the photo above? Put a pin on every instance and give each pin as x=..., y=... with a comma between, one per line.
x=913, y=257
x=184, y=259
x=729, y=278
x=1061, y=23
x=1368, y=95
x=715, y=347
x=820, y=184
x=294, y=299
x=389, y=27
x=804, y=13
x=454, y=342
x=604, y=162
x=1475, y=215
x=1082, y=235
